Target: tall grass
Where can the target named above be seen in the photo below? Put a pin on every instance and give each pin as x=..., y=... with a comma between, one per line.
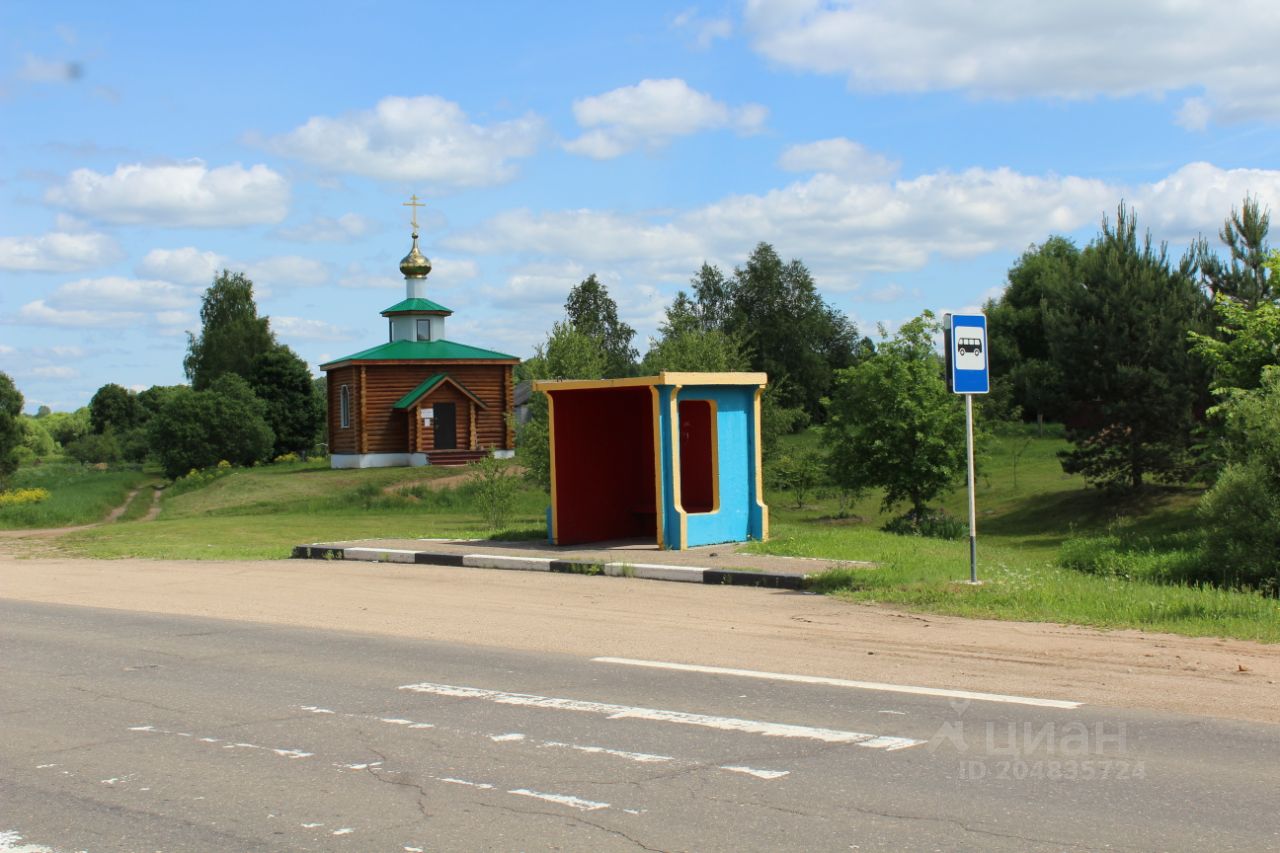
x=77, y=494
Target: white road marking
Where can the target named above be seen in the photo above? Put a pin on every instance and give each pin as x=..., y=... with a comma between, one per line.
x=563, y=799
x=311, y=825
x=640, y=757
x=619, y=712
x=507, y=737
x=759, y=774
x=315, y=710
x=841, y=682
x=346, y=830
x=358, y=766
x=283, y=753
x=484, y=786
x=9, y=843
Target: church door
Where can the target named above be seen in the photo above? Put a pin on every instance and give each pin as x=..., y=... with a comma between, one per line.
x=446, y=418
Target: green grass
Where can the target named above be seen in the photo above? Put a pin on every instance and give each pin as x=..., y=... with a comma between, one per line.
x=77, y=494
x=1049, y=549
x=261, y=513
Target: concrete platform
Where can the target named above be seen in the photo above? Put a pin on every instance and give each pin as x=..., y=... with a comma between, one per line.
x=711, y=564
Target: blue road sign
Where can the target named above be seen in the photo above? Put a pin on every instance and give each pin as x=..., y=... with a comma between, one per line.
x=967, y=353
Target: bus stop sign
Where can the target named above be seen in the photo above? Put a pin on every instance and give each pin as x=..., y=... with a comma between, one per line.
x=966, y=344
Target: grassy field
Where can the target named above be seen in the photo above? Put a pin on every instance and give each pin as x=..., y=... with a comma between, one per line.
x=1049, y=549
x=77, y=494
x=261, y=513
x=1031, y=517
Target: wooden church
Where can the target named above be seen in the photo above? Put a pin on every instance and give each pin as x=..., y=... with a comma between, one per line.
x=419, y=398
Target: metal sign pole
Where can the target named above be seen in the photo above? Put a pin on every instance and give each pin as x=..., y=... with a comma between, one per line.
x=973, y=504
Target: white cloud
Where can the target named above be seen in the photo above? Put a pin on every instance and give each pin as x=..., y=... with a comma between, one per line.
x=651, y=114
x=55, y=372
x=839, y=156
x=844, y=228
x=286, y=270
x=704, y=31
x=111, y=302
x=447, y=272
x=187, y=265
x=303, y=329
x=180, y=195
x=328, y=229
x=58, y=252
x=414, y=139
x=1010, y=48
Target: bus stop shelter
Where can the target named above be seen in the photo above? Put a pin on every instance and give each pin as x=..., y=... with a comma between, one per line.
x=673, y=458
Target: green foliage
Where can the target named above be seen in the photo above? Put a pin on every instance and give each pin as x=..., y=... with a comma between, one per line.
x=95, y=448
x=495, y=488
x=1248, y=278
x=1119, y=342
x=11, y=433
x=232, y=334
x=1241, y=513
x=114, y=408
x=934, y=524
x=800, y=473
x=282, y=381
x=66, y=427
x=787, y=329
x=197, y=429
x=893, y=425
x=687, y=344
x=1021, y=361
x=777, y=420
x=1247, y=340
x=593, y=313
x=36, y=441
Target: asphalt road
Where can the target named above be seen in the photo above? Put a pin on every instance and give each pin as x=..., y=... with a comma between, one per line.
x=137, y=732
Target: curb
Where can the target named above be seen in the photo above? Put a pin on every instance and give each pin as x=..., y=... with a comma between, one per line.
x=646, y=571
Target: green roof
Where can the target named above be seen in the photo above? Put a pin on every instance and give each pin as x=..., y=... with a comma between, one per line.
x=415, y=305
x=432, y=381
x=423, y=351
x=407, y=400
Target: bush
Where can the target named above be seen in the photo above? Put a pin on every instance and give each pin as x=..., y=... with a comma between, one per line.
x=19, y=497
x=799, y=474
x=94, y=448
x=1241, y=517
x=935, y=524
x=495, y=489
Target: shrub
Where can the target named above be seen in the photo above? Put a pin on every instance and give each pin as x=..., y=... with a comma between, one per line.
x=94, y=448
x=495, y=489
x=1241, y=517
x=934, y=524
x=18, y=497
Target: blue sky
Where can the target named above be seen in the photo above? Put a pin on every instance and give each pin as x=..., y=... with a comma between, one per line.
x=907, y=152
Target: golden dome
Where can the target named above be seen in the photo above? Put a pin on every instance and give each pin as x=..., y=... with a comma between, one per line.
x=415, y=264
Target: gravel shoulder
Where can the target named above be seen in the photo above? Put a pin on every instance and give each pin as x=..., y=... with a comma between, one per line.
x=721, y=626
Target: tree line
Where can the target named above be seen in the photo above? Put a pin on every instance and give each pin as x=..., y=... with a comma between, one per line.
x=251, y=399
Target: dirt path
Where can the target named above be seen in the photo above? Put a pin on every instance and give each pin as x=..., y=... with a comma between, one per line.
x=690, y=623
x=435, y=484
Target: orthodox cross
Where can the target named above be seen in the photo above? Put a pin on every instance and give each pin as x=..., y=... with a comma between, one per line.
x=414, y=204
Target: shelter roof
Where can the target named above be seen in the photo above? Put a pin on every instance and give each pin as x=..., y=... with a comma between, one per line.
x=664, y=378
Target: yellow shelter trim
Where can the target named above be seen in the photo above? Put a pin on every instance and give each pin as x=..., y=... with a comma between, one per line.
x=657, y=461
x=551, y=440
x=664, y=378
x=764, y=509
x=715, y=452
x=677, y=501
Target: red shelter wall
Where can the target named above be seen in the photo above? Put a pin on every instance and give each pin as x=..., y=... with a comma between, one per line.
x=604, y=464
x=697, y=483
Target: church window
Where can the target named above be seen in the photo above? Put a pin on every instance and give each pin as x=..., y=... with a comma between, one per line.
x=344, y=406
x=424, y=329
